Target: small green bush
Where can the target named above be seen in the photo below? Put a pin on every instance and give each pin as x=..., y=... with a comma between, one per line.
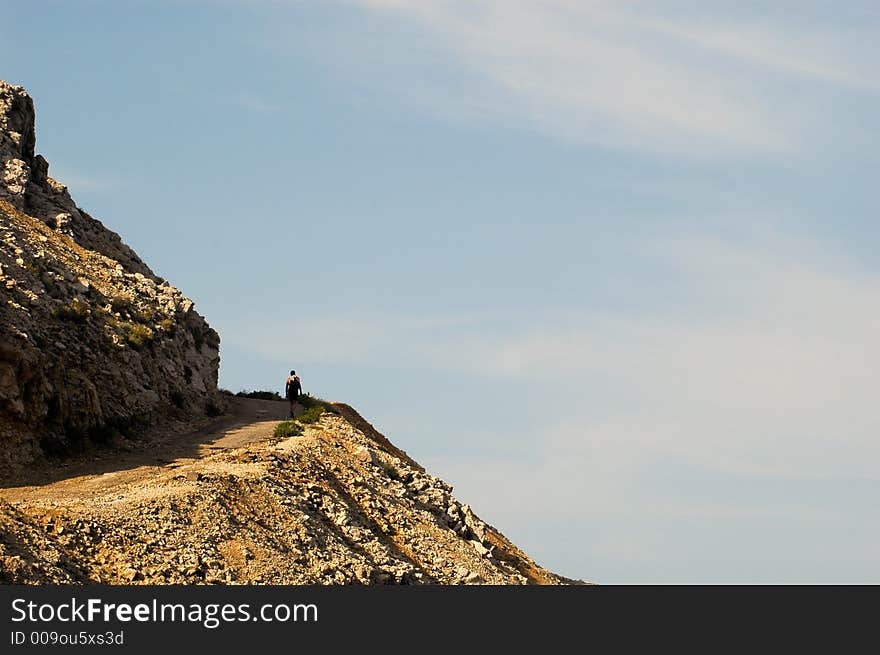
x=167, y=326
x=311, y=415
x=389, y=469
x=137, y=336
x=309, y=402
x=287, y=429
x=143, y=314
x=76, y=310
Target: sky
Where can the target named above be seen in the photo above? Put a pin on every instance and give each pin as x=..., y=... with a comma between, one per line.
x=608, y=268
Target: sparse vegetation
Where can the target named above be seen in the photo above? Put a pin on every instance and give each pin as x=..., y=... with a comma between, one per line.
x=76, y=310
x=390, y=470
x=286, y=429
x=260, y=395
x=137, y=336
x=143, y=314
x=311, y=415
x=120, y=304
x=309, y=402
x=294, y=428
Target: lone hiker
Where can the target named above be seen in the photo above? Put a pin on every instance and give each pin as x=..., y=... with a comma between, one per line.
x=292, y=389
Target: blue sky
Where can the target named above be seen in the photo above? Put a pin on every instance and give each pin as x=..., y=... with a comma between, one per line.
x=609, y=268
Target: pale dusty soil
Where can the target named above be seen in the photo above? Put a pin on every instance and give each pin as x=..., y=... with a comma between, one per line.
x=247, y=421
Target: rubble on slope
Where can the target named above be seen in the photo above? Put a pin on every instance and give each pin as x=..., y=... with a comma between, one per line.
x=332, y=506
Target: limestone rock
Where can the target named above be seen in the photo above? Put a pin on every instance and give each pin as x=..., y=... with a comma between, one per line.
x=92, y=344
x=365, y=455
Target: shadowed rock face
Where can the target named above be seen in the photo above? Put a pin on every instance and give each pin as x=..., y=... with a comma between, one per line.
x=92, y=343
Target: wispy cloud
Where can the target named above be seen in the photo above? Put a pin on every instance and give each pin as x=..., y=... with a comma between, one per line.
x=829, y=56
x=620, y=75
x=775, y=380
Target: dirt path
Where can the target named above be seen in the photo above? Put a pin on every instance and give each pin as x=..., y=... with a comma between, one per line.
x=247, y=421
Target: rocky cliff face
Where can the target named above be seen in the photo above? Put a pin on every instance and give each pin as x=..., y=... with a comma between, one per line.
x=92, y=343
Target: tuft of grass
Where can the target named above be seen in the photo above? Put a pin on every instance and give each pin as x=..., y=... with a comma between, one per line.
x=136, y=335
x=143, y=314
x=167, y=326
x=309, y=402
x=294, y=428
x=287, y=429
x=314, y=409
x=389, y=469
x=76, y=310
x=311, y=415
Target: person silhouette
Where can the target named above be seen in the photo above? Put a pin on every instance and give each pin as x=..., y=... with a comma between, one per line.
x=292, y=389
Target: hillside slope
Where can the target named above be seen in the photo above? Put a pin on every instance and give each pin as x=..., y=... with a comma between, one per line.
x=118, y=464
x=92, y=344
x=337, y=505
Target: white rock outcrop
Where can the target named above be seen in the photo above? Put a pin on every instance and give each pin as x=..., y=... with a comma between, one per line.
x=92, y=343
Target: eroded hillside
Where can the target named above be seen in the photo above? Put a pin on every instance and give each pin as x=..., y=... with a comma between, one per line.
x=337, y=505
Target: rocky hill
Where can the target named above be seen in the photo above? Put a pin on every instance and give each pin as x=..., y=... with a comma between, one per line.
x=337, y=504
x=93, y=345
x=120, y=462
